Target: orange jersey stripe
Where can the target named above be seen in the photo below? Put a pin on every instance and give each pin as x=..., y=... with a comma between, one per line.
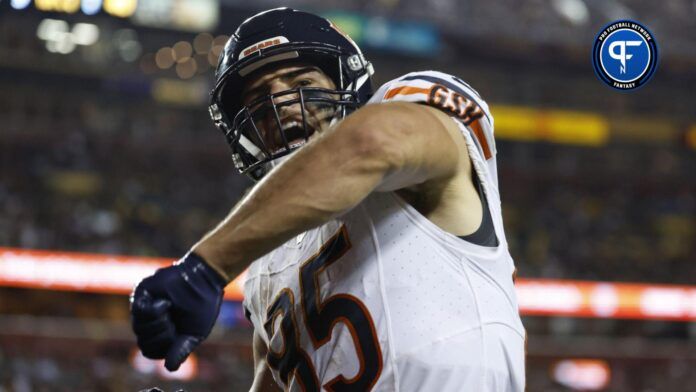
x=406, y=90
x=478, y=131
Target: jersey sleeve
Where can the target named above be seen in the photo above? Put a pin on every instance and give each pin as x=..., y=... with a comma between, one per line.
x=449, y=94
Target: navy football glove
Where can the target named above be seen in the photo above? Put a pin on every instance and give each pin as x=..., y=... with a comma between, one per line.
x=175, y=309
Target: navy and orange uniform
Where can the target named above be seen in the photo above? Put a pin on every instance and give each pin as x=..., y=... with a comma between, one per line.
x=382, y=299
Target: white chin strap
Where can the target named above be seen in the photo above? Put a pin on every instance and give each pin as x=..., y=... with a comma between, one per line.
x=251, y=147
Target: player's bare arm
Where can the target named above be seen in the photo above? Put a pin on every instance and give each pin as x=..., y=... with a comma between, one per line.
x=380, y=147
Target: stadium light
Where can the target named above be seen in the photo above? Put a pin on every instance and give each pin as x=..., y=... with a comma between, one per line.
x=164, y=57
x=85, y=34
x=182, y=51
x=203, y=43
x=49, y=27
x=20, y=4
x=61, y=42
x=187, y=372
x=120, y=8
x=61, y=39
x=187, y=68
x=65, y=6
x=127, y=44
x=582, y=374
x=574, y=11
x=91, y=7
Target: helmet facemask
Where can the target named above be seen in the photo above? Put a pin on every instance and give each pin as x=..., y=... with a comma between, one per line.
x=265, y=129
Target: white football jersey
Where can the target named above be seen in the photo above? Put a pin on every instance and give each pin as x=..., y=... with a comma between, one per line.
x=382, y=299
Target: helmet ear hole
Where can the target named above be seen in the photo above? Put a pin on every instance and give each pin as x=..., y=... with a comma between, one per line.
x=355, y=63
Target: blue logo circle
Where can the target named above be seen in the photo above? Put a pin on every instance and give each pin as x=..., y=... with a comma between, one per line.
x=624, y=55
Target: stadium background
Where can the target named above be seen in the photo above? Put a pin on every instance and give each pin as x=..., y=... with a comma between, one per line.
x=106, y=149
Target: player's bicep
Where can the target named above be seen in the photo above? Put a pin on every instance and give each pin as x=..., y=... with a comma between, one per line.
x=421, y=142
x=263, y=378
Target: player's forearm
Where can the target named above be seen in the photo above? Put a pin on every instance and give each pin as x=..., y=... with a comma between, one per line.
x=324, y=179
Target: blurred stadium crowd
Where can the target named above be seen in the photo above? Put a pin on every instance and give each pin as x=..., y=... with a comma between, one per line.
x=130, y=177
x=93, y=159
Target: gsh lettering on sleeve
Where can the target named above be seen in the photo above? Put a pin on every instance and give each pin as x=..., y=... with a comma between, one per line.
x=454, y=103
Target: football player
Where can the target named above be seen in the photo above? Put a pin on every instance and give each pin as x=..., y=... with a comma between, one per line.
x=375, y=230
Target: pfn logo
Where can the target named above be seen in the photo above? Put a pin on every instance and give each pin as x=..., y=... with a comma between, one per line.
x=624, y=55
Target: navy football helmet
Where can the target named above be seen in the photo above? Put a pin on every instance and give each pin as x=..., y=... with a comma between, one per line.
x=273, y=37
